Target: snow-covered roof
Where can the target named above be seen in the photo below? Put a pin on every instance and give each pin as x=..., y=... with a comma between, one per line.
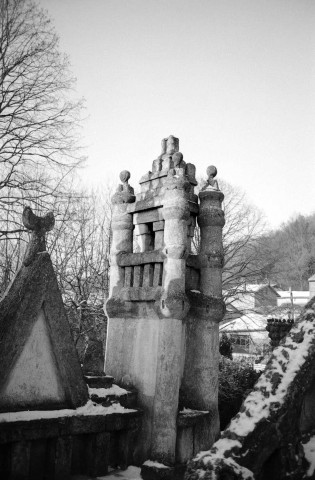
x=250, y=321
x=250, y=288
x=295, y=294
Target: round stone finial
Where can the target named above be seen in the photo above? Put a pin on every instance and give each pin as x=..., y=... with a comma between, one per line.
x=212, y=170
x=124, y=176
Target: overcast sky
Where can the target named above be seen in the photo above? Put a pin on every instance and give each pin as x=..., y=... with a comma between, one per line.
x=233, y=79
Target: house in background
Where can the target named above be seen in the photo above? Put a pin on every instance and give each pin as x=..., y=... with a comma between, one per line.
x=248, y=335
x=295, y=297
x=255, y=297
x=247, y=311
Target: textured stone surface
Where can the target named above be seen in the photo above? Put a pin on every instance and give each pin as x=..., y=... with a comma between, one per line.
x=264, y=440
x=35, y=292
x=162, y=336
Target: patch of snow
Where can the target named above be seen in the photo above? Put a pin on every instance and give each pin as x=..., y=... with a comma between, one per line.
x=104, y=392
x=269, y=393
x=309, y=452
x=217, y=457
x=189, y=410
x=195, y=291
x=131, y=473
x=90, y=408
x=150, y=463
x=285, y=362
x=220, y=446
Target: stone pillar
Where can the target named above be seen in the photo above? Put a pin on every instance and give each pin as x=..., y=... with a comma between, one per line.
x=173, y=308
x=122, y=241
x=211, y=222
x=176, y=213
x=200, y=382
x=122, y=230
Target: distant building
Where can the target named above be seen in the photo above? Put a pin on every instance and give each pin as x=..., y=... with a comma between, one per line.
x=246, y=316
x=294, y=297
x=311, y=286
x=248, y=334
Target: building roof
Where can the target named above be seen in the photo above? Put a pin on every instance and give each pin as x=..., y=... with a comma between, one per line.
x=248, y=322
x=295, y=294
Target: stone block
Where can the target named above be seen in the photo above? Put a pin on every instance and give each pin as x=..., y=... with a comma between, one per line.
x=98, y=454
x=38, y=459
x=20, y=460
x=158, y=225
x=141, y=229
x=63, y=456
x=159, y=240
x=99, y=381
x=148, y=216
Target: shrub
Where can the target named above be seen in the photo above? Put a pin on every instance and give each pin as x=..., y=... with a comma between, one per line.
x=236, y=379
x=225, y=346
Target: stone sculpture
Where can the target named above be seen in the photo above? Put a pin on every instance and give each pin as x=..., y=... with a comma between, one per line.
x=164, y=307
x=38, y=226
x=211, y=183
x=124, y=193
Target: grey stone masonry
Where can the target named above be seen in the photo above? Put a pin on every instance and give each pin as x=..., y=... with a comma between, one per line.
x=165, y=304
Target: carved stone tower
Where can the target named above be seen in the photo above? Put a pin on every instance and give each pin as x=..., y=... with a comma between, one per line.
x=165, y=305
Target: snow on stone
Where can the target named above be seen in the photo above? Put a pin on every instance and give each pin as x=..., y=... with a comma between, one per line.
x=150, y=463
x=269, y=394
x=90, y=408
x=221, y=447
x=131, y=473
x=104, y=392
x=189, y=410
x=309, y=452
x=286, y=362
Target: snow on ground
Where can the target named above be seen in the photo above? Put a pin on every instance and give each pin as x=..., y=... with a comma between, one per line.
x=90, y=408
x=132, y=473
x=309, y=452
x=104, y=392
x=150, y=463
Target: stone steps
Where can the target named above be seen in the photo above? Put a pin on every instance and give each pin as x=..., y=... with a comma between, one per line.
x=105, y=392
x=114, y=394
x=99, y=381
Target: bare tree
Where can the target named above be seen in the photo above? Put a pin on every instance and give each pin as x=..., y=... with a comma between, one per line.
x=79, y=246
x=247, y=256
x=38, y=113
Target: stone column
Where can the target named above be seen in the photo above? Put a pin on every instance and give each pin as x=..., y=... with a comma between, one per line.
x=211, y=222
x=122, y=241
x=176, y=213
x=173, y=308
x=122, y=230
x=200, y=383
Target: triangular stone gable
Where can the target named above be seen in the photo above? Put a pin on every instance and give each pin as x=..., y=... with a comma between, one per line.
x=32, y=312
x=35, y=377
x=268, y=438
